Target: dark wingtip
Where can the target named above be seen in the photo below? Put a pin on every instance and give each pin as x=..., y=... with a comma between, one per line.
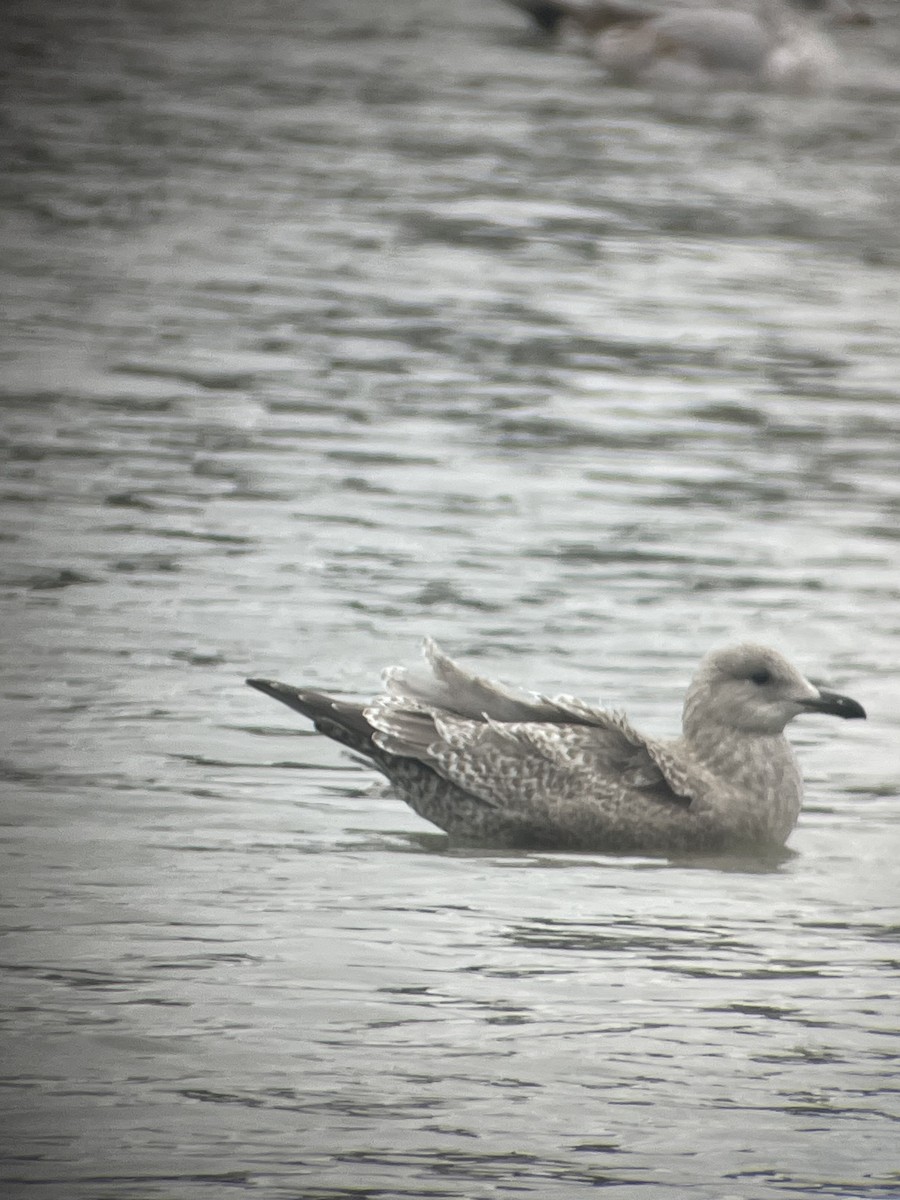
x=284, y=692
x=262, y=685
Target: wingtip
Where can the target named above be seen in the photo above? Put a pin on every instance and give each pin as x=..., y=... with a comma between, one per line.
x=271, y=687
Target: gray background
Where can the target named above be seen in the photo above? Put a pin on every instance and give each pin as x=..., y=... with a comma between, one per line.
x=332, y=325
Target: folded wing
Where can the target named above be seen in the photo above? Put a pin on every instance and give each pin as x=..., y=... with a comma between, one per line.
x=517, y=750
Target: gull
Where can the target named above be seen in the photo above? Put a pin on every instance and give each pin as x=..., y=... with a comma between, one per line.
x=773, y=43
x=508, y=768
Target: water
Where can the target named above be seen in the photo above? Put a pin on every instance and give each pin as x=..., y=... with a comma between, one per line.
x=328, y=328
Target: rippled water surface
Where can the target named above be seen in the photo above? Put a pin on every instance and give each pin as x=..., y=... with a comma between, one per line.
x=332, y=325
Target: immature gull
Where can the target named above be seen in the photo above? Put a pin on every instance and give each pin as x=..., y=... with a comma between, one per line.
x=770, y=42
x=504, y=767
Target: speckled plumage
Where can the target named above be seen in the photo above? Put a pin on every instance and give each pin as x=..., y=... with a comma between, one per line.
x=494, y=765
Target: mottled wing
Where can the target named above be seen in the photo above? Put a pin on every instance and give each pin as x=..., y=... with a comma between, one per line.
x=524, y=767
x=648, y=763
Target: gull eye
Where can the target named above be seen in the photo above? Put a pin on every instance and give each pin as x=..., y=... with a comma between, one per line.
x=762, y=676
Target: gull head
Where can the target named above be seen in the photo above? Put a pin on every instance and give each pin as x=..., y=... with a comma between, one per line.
x=754, y=690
